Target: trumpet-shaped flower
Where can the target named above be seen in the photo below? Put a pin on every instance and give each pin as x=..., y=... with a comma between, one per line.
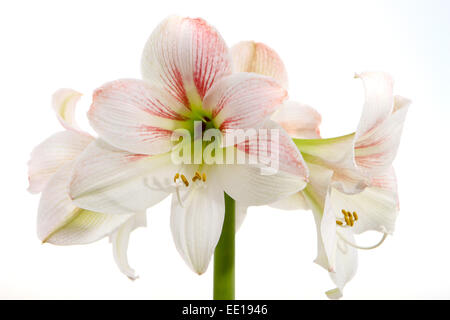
x=352, y=186
x=60, y=221
x=187, y=79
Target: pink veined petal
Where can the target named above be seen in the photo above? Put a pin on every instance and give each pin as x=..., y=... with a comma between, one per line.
x=268, y=168
x=186, y=57
x=133, y=115
x=250, y=56
x=376, y=149
x=197, y=222
x=107, y=179
x=61, y=222
x=52, y=154
x=299, y=120
x=379, y=100
x=243, y=101
x=64, y=102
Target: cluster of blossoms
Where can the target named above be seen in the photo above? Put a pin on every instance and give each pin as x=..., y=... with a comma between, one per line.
x=97, y=187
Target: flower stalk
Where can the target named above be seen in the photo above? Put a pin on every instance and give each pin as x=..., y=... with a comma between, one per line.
x=224, y=255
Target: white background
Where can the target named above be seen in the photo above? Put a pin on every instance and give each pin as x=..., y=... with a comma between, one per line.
x=46, y=45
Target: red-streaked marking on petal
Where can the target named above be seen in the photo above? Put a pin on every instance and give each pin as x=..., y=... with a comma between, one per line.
x=243, y=101
x=249, y=56
x=132, y=115
x=185, y=56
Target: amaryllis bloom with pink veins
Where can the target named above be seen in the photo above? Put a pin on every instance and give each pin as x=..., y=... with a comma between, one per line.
x=60, y=221
x=352, y=186
x=187, y=77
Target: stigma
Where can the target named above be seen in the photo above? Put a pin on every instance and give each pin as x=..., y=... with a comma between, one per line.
x=348, y=219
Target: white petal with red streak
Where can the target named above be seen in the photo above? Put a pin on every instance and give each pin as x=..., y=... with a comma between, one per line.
x=243, y=101
x=250, y=56
x=111, y=180
x=186, y=57
x=277, y=171
x=133, y=115
x=379, y=100
x=376, y=149
x=299, y=120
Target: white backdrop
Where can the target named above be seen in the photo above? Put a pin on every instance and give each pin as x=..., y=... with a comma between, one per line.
x=46, y=45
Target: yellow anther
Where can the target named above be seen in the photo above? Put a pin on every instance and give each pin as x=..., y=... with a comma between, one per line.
x=355, y=216
x=352, y=222
x=176, y=177
x=339, y=223
x=347, y=220
x=195, y=178
x=185, y=181
x=198, y=175
x=204, y=177
x=344, y=212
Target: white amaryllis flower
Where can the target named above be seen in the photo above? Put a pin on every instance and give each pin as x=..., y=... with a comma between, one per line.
x=187, y=74
x=60, y=221
x=361, y=192
x=352, y=186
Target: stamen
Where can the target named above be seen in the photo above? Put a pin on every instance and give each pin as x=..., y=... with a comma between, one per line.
x=185, y=181
x=349, y=218
x=176, y=177
x=204, y=177
x=197, y=176
x=352, y=222
x=339, y=223
x=363, y=248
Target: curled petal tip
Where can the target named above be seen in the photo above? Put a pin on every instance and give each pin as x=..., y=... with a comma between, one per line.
x=133, y=277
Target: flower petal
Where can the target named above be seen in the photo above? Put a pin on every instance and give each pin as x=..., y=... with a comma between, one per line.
x=337, y=155
x=243, y=101
x=64, y=103
x=110, y=180
x=376, y=149
x=241, y=213
x=376, y=206
x=295, y=201
x=346, y=265
x=299, y=120
x=315, y=195
x=52, y=154
x=134, y=116
x=250, y=56
x=186, y=57
x=196, y=223
x=120, y=238
x=273, y=168
x=379, y=100
x=61, y=222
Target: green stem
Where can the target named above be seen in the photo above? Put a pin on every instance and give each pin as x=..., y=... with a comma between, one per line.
x=224, y=255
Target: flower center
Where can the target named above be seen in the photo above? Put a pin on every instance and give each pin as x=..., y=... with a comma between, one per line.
x=348, y=219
